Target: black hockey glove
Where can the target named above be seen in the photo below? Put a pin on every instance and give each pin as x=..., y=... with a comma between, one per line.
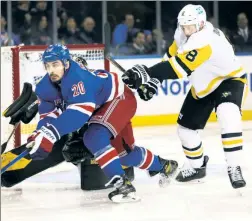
x=147, y=90
x=136, y=76
x=74, y=150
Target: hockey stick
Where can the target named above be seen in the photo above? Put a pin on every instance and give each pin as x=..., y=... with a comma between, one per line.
x=15, y=160
x=115, y=63
x=4, y=145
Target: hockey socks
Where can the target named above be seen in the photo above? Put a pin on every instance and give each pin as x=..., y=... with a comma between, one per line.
x=142, y=158
x=97, y=140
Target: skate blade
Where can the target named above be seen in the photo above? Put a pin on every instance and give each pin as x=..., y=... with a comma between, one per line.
x=164, y=181
x=197, y=181
x=240, y=192
x=131, y=197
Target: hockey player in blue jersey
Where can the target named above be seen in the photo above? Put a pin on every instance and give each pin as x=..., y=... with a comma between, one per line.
x=69, y=97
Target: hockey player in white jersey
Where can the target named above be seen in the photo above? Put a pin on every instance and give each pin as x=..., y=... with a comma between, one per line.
x=202, y=54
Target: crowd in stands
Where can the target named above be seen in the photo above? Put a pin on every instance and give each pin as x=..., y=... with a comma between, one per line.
x=32, y=25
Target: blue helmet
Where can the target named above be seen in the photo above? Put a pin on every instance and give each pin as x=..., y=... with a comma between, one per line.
x=56, y=52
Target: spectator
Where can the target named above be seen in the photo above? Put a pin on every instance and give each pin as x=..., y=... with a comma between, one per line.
x=20, y=15
x=41, y=10
x=60, y=31
x=124, y=32
x=72, y=33
x=138, y=46
x=87, y=34
x=242, y=37
x=159, y=34
x=6, y=40
x=26, y=29
x=41, y=35
x=150, y=44
x=60, y=8
x=62, y=13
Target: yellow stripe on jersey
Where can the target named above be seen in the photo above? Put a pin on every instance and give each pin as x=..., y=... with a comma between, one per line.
x=243, y=80
x=194, y=93
x=245, y=94
x=194, y=58
x=215, y=80
x=172, y=51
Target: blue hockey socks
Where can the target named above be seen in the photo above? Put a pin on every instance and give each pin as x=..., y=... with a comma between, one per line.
x=97, y=140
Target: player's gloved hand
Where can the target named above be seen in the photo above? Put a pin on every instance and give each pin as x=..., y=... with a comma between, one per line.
x=42, y=142
x=147, y=90
x=75, y=151
x=136, y=76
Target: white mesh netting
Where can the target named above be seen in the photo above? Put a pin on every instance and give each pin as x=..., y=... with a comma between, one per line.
x=32, y=70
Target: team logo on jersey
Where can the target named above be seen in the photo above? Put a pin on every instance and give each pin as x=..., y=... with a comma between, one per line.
x=180, y=116
x=226, y=94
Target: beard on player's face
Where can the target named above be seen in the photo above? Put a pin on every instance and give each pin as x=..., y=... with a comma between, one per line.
x=55, y=70
x=54, y=77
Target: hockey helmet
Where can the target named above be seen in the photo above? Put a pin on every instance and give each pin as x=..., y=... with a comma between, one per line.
x=56, y=52
x=192, y=15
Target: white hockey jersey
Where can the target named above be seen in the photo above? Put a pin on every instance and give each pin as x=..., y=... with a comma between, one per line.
x=206, y=58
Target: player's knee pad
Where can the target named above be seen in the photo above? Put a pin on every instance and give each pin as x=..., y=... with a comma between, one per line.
x=189, y=138
x=229, y=117
x=96, y=137
x=192, y=146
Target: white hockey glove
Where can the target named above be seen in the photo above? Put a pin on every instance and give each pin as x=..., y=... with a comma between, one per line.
x=42, y=142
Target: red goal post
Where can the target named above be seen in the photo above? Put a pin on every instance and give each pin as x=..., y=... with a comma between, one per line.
x=21, y=64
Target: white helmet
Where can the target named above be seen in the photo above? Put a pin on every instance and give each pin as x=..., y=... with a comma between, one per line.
x=192, y=15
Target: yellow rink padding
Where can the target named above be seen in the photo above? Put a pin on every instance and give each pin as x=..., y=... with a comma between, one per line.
x=152, y=120
x=140, y=121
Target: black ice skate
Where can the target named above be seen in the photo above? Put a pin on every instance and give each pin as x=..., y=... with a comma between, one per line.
x=167, y=172
x=124, y=192
x=188, y=174
x=235, y=176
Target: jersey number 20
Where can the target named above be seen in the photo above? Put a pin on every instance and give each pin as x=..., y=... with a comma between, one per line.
x=78, y=89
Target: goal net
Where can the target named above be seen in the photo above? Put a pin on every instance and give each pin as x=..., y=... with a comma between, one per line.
x=21, y=64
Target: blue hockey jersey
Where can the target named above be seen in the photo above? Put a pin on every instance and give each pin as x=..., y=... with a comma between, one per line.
x=77, y=96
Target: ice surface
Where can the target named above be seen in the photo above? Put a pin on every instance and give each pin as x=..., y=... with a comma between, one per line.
x=55, y=194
